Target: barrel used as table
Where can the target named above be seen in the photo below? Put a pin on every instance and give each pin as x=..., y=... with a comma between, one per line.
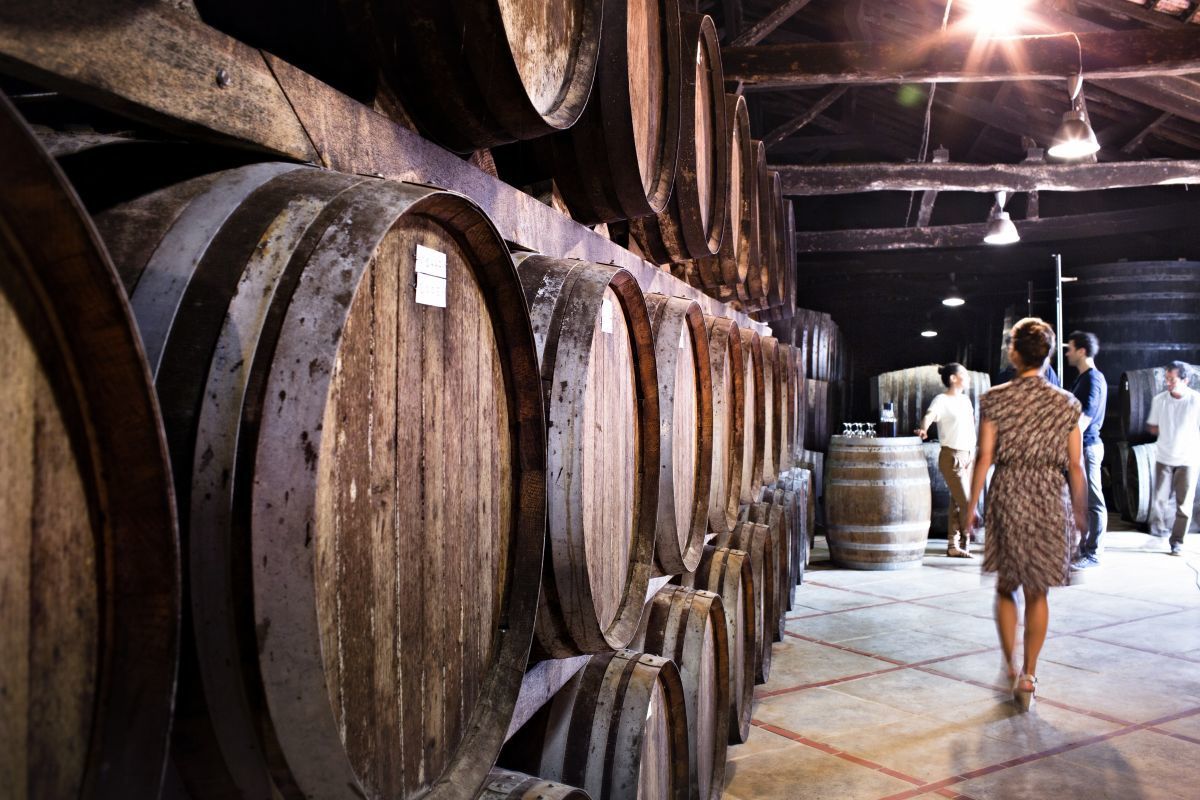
x=877, y=502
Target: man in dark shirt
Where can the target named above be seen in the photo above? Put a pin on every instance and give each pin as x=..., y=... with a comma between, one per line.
x=1092, y=392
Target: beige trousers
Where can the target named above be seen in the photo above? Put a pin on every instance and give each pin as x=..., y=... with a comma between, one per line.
x=956, y=466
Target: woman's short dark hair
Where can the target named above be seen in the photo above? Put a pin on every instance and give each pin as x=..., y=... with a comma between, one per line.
x=946, y=370
x=1033, y=340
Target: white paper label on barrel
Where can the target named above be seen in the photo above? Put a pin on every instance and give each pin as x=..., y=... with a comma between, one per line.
x=606, y=312
x=431, y=277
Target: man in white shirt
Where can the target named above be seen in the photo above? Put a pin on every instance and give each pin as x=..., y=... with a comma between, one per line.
x=1175, y=419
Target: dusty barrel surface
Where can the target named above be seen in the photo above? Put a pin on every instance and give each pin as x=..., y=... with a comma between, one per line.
x=754, y=415
x=771, y=516
x=728, y=268
x=685, y=430
x=503, y=784
x=758, y=279
x=332, y=355
x=89, y=559
x=775, y=255
x=693, y=222
x=1137, y=389
x=619, y=160
x=688, y=626
x=877, y=502
x=817, y=422
x=469, y=74
x=771, y=398
x=785, y=380
x=912, y=390
x=727, y=572
x=728, y=376
x=618, y=729
x=759, y=546
x=600, y=379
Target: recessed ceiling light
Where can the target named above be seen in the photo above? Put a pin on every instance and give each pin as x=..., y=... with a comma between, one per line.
x=929, y=334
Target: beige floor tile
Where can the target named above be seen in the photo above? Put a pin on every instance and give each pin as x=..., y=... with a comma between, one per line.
x=1122, y=608
x=1161, y=761
x=795, y=662
x=760, y=741
x=1045, y=728
x=802, y=771
x=1184, y=628
x=1057, y=778
x=1188, y=726
x=917, y=692
x=824, y=598
x=820, y=713
x=913, y=646
x=926, y=582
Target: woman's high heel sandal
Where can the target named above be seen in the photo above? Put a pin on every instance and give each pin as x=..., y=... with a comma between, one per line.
x=1024, y=691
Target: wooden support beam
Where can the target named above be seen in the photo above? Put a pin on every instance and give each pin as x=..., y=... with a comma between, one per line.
x=763, y=28
x=964, y=59
x=1033, y=155
x=1147, y=16
x=823, y=179
x=791, y=126
x=1136, y=141
x=925, y=213
x=1046, y=229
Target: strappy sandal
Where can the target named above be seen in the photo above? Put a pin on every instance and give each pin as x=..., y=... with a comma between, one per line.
x=1024, y=691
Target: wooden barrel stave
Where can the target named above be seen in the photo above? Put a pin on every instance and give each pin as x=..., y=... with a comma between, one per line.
x=310, y=294
x=727, y=270
x=728, y=376
x=773, y=515
x=754, y=416
x=758, y=544
x=592, y=331
x=686, y=431
x=1136, y=389
x=90, y=575
x=758, y=279
x=877, y=500
x=503, y=784
x=689, y=627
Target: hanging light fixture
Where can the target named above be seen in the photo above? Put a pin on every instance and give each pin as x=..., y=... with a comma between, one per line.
x=1001, y=229
x=929, y=333
x=953, y=299
x=1075, y=137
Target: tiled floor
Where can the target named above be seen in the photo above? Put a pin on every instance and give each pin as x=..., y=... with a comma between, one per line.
x=888, y=685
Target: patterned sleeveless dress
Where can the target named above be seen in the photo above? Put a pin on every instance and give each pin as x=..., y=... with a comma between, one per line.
x=1030, y=527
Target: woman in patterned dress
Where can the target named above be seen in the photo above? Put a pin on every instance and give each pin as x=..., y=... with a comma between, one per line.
x=1030, y=430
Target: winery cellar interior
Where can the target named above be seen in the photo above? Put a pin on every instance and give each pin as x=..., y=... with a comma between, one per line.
x=516, y=398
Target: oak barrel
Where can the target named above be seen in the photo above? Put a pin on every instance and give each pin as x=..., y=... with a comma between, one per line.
x=685, y=403
x=799, y=401
x=728, y=268
x=688, y=626
x=786, y=421
x=877, y=502
x=758, y=279
x=503, y=784
x=912, y=390
x=307, y=387
x=775, y=256
x=817, y=424
x=759, y=546
x=771, y=409
x=727, y=572
x=693, y=222
x=1144, y=313
x=771, y=514
x=619, y=160
x=600, y=379
x=618, y=729
x=89, y=558
x=1137, y=389
x=1139, y=481
x=754, y=415
x=469, y=73
x=725, y=360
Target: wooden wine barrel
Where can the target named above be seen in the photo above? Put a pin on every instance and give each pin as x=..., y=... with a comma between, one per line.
x=758, y=280
x=800, y=486
x=618, y=729
x=503, y=784
x=771, y=514
x=89, y=558
x=727, y=572
x=1139, y=481
x=1118, y=467
x=1144, y=313
x=468, y=74
x=939, y=491
x=1136, y=389
x=788, y=240
x=307, y=387
x=799, y=401
x=776, y=257
x=619, y=160
x=728, y=268
x=754, y=415
x=912, y=390
x=693, y=222
x=759, y=546
x=725, y=361
x=877, y=502
x=785, y=429
x=685, y=404
x=688, y=626
x=598, y=368
x=817, y=428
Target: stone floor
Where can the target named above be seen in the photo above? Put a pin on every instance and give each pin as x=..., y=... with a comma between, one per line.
x=888, y=685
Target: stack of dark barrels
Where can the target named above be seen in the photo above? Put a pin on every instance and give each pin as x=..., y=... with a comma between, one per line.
x=308, y=469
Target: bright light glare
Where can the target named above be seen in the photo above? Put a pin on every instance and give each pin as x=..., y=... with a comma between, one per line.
x=1074, y=148
x=929, y=334
x=953, y=302
x=996, y=17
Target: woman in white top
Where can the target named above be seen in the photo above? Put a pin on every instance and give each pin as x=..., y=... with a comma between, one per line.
x=955, y=418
